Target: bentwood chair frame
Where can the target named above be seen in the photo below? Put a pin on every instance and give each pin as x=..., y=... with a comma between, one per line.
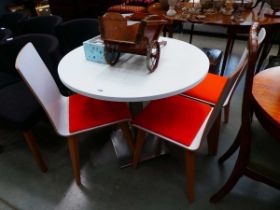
x=243, y=139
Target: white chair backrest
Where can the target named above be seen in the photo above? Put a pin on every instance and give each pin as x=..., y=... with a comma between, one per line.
x=36, y=74
x=241, y=67
x=261, y=36
x=235, y=77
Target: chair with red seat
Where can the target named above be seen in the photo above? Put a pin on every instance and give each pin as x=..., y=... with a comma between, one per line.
x=69, y=115
x=210, y=89
x=184, y=122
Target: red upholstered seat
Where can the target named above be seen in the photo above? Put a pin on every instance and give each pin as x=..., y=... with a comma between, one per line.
x=209, y=90
x=176, y=118
x=127, y=9
x=85, y=113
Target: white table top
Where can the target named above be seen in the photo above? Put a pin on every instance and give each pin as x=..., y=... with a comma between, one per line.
x=181, y=66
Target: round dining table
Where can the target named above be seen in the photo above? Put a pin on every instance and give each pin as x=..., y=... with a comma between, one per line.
x=181, y=67
x=266, y=97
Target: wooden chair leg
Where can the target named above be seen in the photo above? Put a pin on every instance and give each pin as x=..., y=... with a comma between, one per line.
x=239, y=167
x=190, y=174
x=235, y=145
x=213, y=137
x=138, y=147
x=226, y=112
x=75, y=159
x=127, y=135
x=231, y=182
x=237, y=172
x=33, y=146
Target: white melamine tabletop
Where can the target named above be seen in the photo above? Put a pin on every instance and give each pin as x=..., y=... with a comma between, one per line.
x=181, y=66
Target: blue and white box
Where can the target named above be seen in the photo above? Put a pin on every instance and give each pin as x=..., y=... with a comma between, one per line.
x=94, y=50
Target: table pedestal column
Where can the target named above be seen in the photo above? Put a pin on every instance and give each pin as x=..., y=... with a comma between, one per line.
x=152, y=148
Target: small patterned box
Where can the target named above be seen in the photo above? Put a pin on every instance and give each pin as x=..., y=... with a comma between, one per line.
x=94, y=50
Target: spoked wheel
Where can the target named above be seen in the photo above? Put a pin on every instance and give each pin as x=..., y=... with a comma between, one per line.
x=112, y=54
x=153, y=54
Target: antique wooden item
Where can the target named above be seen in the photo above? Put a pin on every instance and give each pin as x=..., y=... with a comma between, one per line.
x=137, y=38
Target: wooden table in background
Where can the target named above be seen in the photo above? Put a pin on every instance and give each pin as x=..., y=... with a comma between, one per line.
x=266, y=93
x=249, y=16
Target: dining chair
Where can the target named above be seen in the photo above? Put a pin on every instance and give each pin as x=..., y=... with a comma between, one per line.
x=5, y=34
x=73, y=33
x=48, y=48
x=185, y=122
x=13, y=21
x=71, y=115
x=20, y=110
x=41, y=24
x=212, y=87
x=258, y=156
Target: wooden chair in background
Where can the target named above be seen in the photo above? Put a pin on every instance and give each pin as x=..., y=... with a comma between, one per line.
x=258, y=156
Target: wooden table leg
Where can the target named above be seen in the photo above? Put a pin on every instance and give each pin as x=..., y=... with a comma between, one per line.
x=170, y=30
x=228, y=49
x=191, y=33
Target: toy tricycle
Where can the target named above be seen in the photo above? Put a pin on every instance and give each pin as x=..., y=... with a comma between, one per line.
x=136, y=37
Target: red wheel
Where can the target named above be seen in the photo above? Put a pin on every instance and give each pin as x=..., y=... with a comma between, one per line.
x=153, y=54
x=112, y=54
